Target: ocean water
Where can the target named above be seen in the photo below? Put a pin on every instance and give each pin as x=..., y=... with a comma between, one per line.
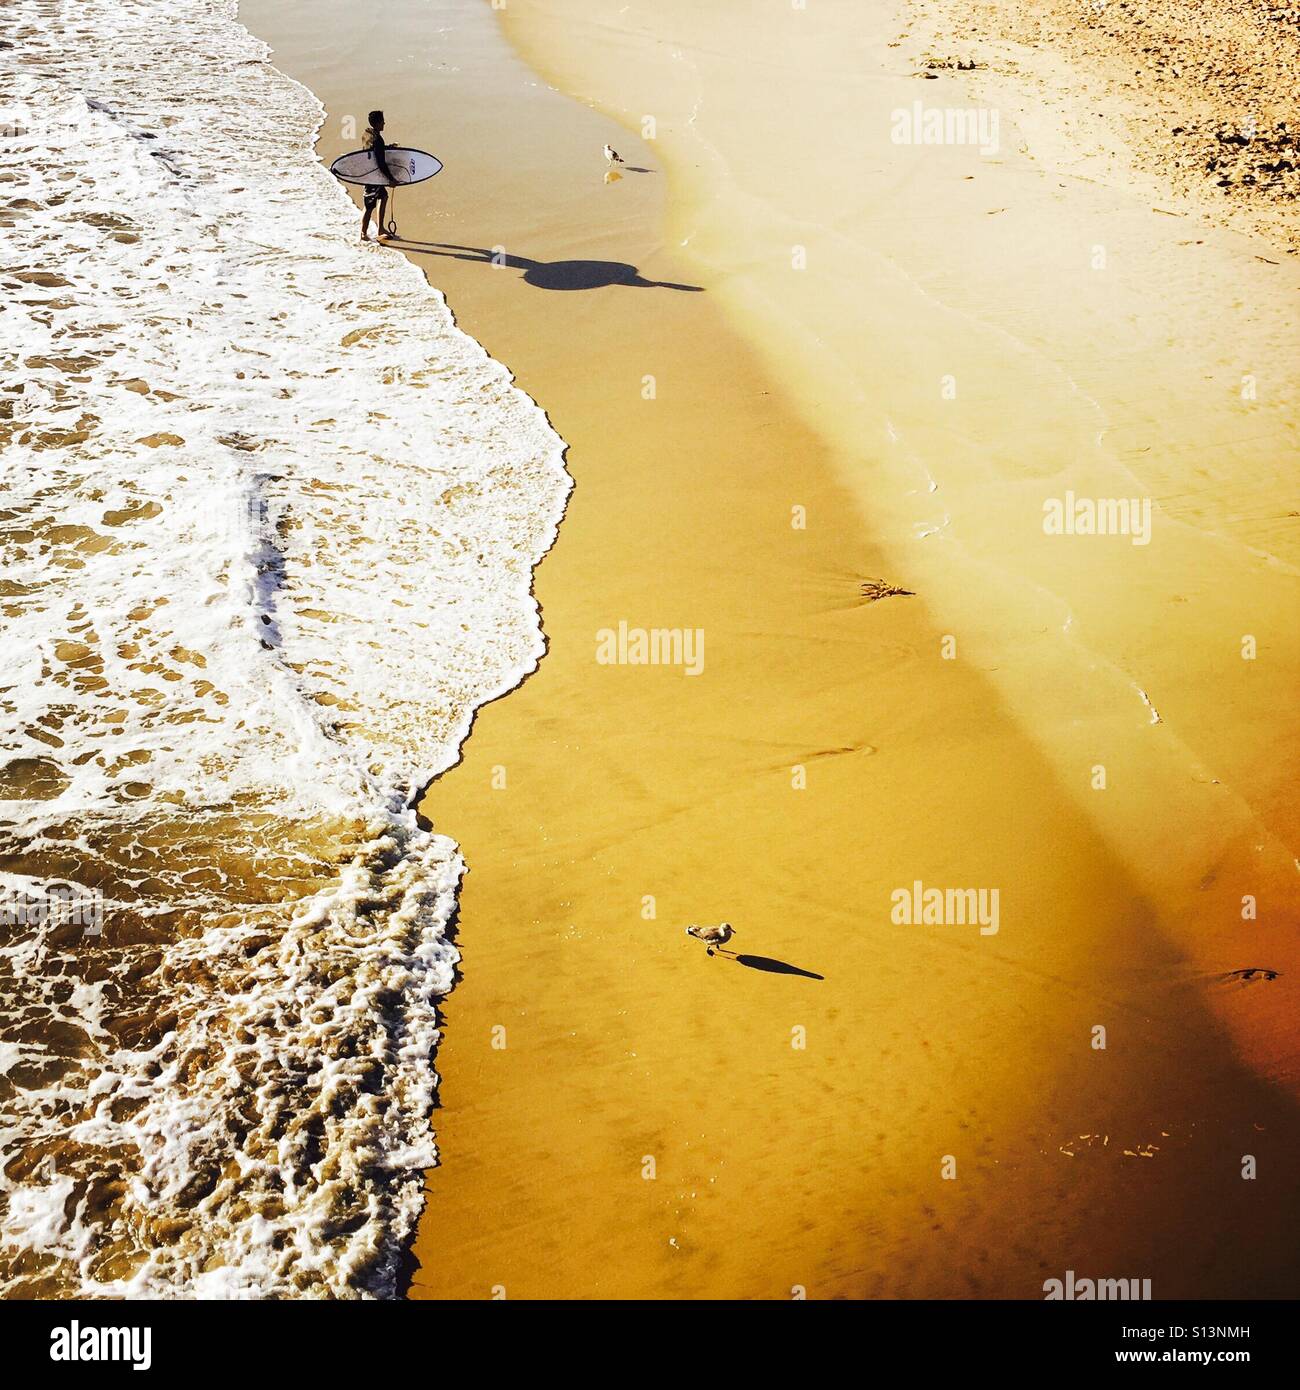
x=268, y=523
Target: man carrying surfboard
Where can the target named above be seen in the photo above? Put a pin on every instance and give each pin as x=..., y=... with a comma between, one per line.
x=377, y=195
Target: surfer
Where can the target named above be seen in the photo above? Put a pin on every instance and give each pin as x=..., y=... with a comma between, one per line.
x=377, y=195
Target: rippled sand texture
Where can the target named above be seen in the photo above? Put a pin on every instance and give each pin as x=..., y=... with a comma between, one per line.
x=268, y=527
x=844, y=278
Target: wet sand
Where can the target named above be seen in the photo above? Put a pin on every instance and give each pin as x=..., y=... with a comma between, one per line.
x=662, y=1124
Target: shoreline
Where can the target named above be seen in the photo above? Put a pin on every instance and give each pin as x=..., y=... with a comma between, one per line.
x=924, y=608
x=594, y=787
x=232, y=649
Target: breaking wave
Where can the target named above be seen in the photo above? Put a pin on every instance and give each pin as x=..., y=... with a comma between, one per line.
x=268, y=521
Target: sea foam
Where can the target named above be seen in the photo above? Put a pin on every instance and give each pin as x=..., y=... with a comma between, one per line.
x=269, y=521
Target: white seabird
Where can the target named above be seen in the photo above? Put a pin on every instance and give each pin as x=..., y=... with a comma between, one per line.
x=613, y=155
x=715, y=938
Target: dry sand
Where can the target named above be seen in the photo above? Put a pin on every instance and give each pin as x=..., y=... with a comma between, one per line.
x=1200, y=97
x=652, y=1125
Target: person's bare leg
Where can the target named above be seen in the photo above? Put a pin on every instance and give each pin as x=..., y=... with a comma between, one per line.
x=380, y=233
x=365, y=223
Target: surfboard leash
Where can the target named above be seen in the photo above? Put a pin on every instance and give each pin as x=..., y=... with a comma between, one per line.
x=391, y=228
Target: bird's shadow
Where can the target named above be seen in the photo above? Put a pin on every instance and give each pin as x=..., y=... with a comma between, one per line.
x=548, y=275
x=775, y=967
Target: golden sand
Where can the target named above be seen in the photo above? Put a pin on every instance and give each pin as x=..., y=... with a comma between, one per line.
x=857, y=1107
x=1202, y=95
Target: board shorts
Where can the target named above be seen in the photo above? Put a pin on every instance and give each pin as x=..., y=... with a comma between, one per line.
x=375, y=193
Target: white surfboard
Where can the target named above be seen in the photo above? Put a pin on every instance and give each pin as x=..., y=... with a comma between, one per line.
x=404, y=166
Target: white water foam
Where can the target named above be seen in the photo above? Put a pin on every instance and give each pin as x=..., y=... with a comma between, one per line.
x=269, y=521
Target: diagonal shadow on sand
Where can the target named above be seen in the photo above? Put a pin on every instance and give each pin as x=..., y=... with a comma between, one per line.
x=776, y=967
x=548, y=275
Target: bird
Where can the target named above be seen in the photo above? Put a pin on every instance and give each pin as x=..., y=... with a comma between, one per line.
x=613, y=155
x=715, y=938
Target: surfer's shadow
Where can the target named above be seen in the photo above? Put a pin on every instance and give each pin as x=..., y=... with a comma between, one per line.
x=550, y=275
